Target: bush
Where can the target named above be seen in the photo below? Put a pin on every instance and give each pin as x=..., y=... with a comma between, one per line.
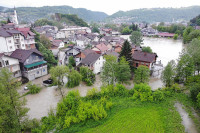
x=93, y=93
x=33, y=89
x=194, y=91
x=87, y=75
x=198, y=100
x=142, y=92
x=158, y=95
x=111, y=90
x=74, y=79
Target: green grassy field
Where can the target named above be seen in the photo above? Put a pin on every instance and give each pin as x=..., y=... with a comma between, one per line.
x=128, y=116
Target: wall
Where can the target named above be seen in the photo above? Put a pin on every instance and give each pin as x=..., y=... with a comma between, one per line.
x=7, y=46
x=98, y=65
x=33, y=58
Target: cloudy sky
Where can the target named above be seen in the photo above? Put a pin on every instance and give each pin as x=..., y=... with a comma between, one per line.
x=107, y=6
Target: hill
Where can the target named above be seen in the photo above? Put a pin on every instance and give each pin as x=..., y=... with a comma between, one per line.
x=157, y=14
x=30, y=14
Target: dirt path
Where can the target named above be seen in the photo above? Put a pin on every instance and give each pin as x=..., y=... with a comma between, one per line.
x=186, y=120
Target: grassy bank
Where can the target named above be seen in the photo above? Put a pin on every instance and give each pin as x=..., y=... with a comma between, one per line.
x=135, y=116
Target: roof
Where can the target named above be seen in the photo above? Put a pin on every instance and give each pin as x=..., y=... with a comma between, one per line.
x=9, y=26
x=26, y=31
x=144, y=56
x=4, y=33
x=90, y=58
x=91, y=36
x=166, y=34
x=111, y=52
x=57, y=42
x=22, y=54
x=35, y=64
x=102, y=47
x=13, y=31
x=88, y=51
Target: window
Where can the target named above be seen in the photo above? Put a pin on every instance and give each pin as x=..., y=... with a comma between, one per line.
x=37, y=72
x=7, y=62
x=0, y=64
x=22, y=45
x=22, y=39
x=9, y=41
x=10, y=47
x=44, y=70
x=136, y=64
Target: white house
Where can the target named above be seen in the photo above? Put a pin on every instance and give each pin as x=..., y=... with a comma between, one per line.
x=56, y=45
x=82, y=41
x=60, y=35
x=94, y=61
x=12, y=64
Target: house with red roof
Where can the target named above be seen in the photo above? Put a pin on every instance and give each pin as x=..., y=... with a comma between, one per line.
x=144, y=58
x=29, y=37
x=100, y=48
x=166, y=34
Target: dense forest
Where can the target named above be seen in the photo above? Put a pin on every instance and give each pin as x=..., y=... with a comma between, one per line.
x=31, y=14
x=158, y=14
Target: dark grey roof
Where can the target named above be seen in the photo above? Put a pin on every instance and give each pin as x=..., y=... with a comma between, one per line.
x=90, y=58
x=22, y=54
x=144, y=56
x=88, y=51
x=14, y=31
x=111, y=52
x=3, y=33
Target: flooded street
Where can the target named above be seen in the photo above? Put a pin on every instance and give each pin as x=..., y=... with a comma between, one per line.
x=186, y=120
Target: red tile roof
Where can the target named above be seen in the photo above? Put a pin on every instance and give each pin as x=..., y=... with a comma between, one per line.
x=166, y=34
x=102, y=47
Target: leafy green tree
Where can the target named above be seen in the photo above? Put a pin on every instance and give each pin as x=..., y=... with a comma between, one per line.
x=168, y=74
x=147, y=49
x=194, y=91
x=185, y=67
x=175, y=37
x=74, y=79
x=193, y=50
x=123, y=71
x=186, y=37
x=87, y=75
x=12, y=110
x=95, y=29
x=108, y=75
x=134, y=27
x=136, y=38
x=142, y=74
x=72, y=62
x=58, y=73
x=127, y=52
x=126, y=31
x=45, y=41
x=198, y=98
x=47, y=54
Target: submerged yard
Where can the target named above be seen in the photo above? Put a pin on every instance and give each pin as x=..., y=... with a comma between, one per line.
x=139, y=117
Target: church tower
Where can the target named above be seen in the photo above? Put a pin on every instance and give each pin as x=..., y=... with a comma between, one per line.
x=15, y=20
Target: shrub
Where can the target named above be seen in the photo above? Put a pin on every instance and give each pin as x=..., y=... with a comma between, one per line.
x=33, y=89
x=198, y=100
x=194, y=91
x=158, y=95
x=87, y=75
x=92, y=94
x=143, y=92
x=74, y=79
x=111, y=90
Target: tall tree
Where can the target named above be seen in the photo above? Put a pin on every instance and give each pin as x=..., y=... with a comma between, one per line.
x=58, y=73
x=123, y=71
x=72, y=62
x=136, y=38
x=45, y=41
x=12, y=110
x=193, y=49
x=142, y=74
x=127, y=52
x=74, y=78
x=108, y=75
x=168, y=74
x=185, y=67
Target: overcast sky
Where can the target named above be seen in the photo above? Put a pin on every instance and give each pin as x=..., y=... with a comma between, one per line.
x=107, y=6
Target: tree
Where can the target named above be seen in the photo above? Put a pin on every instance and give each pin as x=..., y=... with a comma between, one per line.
x=12, y=110
x=136, y=38
x=147, y=49
x=127, y=52
x=45, y=41
x=72, y=62
x=95, y=30
x=74, y=79
x=142, y=74
x=108, y=75
x=58, y=73
x=126, y=31
x=198, y=99
x=175, y=37
x=186, y=37
x=193, y=50
x=87, y=75
x=185, y=67
x=168, y=74
x=123, y=71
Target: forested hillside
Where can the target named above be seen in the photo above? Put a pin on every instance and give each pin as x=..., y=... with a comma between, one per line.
x=158, y=14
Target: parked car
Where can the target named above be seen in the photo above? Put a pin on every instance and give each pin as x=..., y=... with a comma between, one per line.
x=47, y=82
